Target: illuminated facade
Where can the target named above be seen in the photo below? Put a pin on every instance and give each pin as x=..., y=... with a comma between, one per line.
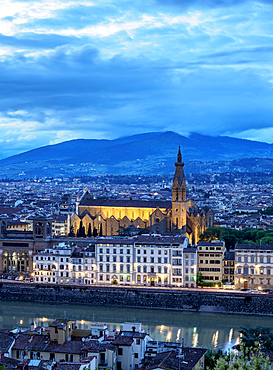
x=210, y=261
x=253, y=266
x=142, y=260
x=179, y=216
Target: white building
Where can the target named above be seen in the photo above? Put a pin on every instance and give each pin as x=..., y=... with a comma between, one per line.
x=53, y=265
x=142, y=261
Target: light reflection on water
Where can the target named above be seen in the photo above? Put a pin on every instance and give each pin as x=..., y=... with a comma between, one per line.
x=196, y=329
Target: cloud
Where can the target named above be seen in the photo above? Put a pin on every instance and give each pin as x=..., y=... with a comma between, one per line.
x=104, y=69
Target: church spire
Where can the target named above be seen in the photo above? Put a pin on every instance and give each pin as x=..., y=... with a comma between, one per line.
x=179, y=187
x=179, y=156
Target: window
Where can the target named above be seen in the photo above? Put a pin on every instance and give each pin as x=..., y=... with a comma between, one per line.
x=138, y=251
x=192, y=271
x=165, y=260
x=101, y=277
x=144, y=251
x=121, y=251
x=245, y=259
x=107, y=268
x=159, y=269
x=138, y=259
x=114, y=251
x=165, y=270
x=114, y=259
x=187, y=271
x=245, y=270
x=152, y=269
x=239, y=259
x=128, y=278
x=138, y=278
x=187, y=263
x=252, y=271
x=120, y=259
x=268, y=259
x=101, y=267
x=121, y=268
x=144, y=259
x=136, y=355
x=252, y=259
x=165, y=252
x=128, y=268
x=121, y=278
x=101, y=251
x=138, y=268
x=128, y=259
x=107, y=250
x=128, y=251
x=114, y=268
x=101, y=258
x=144, y=269
x=120, y=351
x=159, y=259
x=261, y=259
x=268, y=271
x=261, y=271
x=152, y=260
x=239, y=270
x=107, y=259
x=159, y=252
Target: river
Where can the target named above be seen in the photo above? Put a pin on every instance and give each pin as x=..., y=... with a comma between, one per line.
x=197, y=329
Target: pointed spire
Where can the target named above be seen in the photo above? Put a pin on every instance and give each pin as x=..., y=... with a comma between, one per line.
x=179, y=156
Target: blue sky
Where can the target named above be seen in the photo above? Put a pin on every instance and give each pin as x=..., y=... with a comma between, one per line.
x=104, y=69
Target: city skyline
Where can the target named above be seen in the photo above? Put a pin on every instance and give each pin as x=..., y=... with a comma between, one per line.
x=106, y=69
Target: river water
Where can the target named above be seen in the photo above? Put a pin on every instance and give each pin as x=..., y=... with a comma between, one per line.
x=197, y=329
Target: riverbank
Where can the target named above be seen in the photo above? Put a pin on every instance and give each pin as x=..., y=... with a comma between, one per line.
x=167, y=299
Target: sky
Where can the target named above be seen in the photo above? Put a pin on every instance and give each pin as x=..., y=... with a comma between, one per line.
x=102, y=69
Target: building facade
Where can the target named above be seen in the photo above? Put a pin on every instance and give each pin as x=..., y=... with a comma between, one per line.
x=143, y=260
x=210, y=261
x=253, y=266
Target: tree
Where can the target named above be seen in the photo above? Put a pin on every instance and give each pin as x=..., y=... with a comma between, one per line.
x=81, y=231
x=89, y=232
x=71, y=232
x=100, y=229
x=95, y=232
x=253, y=337
x=254, y=360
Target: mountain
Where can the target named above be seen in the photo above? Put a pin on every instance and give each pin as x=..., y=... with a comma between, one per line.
x=149, y=153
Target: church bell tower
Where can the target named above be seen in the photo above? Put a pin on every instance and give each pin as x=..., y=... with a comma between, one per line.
x=179, y=195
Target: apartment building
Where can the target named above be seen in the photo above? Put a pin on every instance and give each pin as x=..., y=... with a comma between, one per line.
x=210, y=261
x=190, y=267
x=253, y=266
x=143, y=260
x=53, y=265
x=229, y=267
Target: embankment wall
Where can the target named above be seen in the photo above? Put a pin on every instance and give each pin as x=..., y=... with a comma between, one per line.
x=183, y=300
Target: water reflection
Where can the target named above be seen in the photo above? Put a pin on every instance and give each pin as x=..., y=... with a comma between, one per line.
x=195, y=329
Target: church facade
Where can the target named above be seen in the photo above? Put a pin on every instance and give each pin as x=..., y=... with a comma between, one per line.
x=109, y=217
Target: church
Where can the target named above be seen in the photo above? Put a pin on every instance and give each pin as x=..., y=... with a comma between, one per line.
x=108, y=217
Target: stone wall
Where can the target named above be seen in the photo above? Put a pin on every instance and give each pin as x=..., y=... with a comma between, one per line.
x=143, y=298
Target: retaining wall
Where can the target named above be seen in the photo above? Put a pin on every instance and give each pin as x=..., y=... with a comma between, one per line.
x=182, y=300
